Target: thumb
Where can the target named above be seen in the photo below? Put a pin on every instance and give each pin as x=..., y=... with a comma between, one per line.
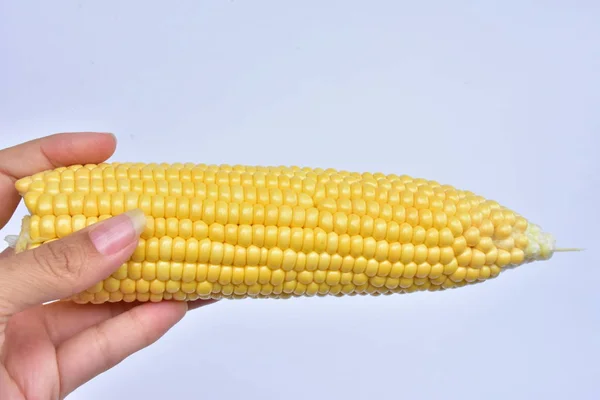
x=64, y=267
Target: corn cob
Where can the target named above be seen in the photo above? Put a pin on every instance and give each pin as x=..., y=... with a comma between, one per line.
x=220, y=231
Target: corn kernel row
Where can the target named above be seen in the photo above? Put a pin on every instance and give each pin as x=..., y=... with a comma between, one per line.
x=296, y=235
x=233, y=241
x=183, y=273
x=359, y=214
x=227, y=192
x=109, y=178
x=222, y=174
x=147, y=279
x=355, y=202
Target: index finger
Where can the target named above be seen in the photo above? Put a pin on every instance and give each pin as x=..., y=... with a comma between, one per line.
x=58, y=150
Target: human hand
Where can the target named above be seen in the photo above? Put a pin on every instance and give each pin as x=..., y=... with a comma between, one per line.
x=48, y=350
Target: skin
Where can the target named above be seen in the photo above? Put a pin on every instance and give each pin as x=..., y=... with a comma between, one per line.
x=49, y=350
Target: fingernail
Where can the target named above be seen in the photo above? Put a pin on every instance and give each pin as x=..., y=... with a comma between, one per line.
x=116, y=233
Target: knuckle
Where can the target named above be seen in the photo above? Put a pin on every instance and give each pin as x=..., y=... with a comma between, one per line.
x=61, y=260
x=104, y=347
x=146, y=334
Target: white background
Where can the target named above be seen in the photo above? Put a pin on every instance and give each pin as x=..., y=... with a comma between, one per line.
x=501, y=98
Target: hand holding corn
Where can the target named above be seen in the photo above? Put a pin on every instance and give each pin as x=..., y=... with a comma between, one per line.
x=115, y=234
x=48, y=350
